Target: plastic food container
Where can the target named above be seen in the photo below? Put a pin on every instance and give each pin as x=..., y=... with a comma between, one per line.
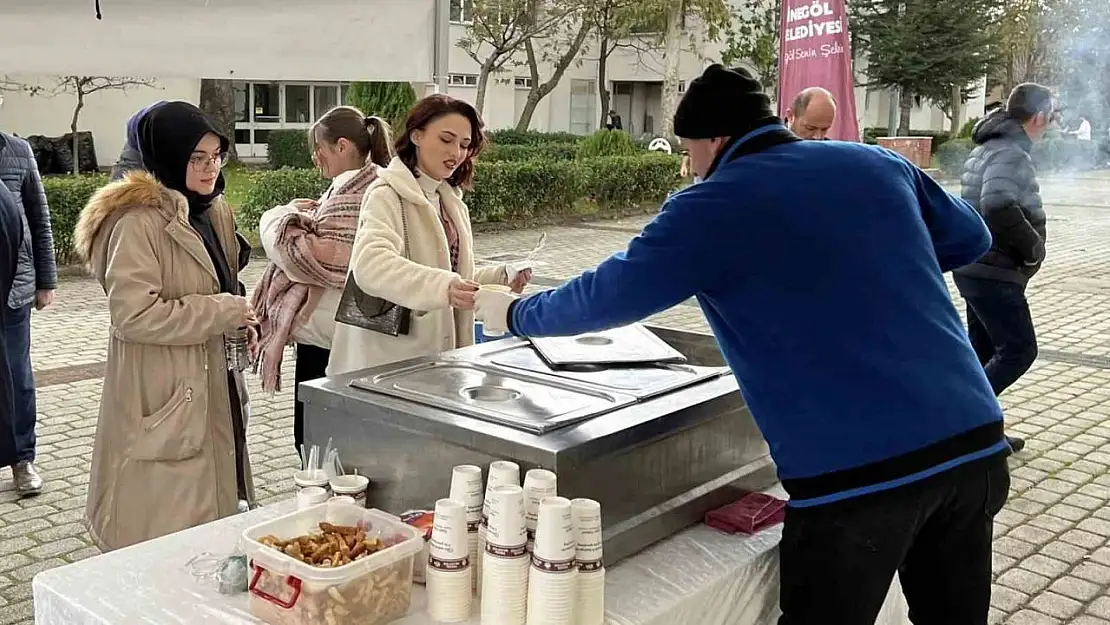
x=374, y=590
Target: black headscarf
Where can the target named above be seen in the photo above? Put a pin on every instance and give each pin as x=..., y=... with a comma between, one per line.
x=168, y=134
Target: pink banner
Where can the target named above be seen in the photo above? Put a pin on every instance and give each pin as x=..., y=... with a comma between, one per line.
x=814, y=51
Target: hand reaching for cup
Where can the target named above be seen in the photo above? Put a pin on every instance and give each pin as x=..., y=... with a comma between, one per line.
x=492, y=308
x=460, y=294
x=520, y=280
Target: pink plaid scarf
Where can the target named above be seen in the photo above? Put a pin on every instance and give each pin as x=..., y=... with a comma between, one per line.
x=316, y=247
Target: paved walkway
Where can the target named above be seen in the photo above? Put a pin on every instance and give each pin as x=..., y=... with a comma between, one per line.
x=1052, y=555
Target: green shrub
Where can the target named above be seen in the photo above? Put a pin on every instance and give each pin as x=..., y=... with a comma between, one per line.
x=494, y=153
x=275, y=188
x=968, y=127
x=530, y=137
x=389, y=100
x=288, y=148
x=871, y=135
x=606, y=143
x=627, y=181
x=66, y=196
x=1065, y=153
x=522, y=190
x=516, y=190
x=950, y=157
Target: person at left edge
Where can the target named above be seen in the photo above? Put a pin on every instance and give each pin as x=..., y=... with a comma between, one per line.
x=11, y=239
x=819, y=265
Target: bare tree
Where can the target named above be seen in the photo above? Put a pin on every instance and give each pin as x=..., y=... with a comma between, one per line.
x=497, y=29
x=217, y=99
x=613, y=22
x=558, y=49
x=81, y=87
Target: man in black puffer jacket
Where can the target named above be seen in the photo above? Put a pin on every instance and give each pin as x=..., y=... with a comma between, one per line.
x=1000, y=182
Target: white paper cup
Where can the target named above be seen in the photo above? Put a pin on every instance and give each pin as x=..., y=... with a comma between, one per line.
x=552, y=597
x=354, y=486
x=501, y=472
x=466, y=486
x=587, y=533
x=449, y=595
x=538, y=483
x=506, y=581
x=555, y=532
x=310, y=496
x=507, y=526
x=590, y=604
x=305, y=478
x=448, y=550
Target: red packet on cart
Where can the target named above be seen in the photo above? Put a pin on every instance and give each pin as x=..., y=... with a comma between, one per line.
x=748, y=515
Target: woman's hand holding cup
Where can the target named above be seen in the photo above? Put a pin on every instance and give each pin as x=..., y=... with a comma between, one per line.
x=460, y=294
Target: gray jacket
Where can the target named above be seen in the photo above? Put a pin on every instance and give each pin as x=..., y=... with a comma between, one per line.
x=35, y=270
x=1000, y=182
x=129, y=160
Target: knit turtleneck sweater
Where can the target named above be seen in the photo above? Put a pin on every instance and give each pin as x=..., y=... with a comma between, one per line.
x=432, y=190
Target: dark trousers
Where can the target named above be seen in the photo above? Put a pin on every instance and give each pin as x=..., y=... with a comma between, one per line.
x=839, y=559
x=17, y=348
x=1000, y=327
x=312, y=364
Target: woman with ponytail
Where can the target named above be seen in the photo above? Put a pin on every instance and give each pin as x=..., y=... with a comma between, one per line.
x=308, y=243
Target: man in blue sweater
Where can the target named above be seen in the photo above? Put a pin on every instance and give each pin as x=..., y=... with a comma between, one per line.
x=819, y=266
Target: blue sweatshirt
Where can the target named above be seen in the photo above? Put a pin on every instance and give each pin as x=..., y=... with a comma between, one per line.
x=819, y=266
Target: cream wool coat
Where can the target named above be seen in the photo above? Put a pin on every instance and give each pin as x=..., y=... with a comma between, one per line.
x=420, y=282
x=164, y=454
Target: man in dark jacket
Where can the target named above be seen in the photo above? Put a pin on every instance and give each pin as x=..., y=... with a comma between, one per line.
x=1000, y=182
x=35, y=281
x=11, y=238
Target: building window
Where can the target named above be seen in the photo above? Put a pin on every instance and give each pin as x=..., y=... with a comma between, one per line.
x=267, y=102
x=242, y=101
x=297, y=104
x=324, y=99
x=523, y=82
x=243, y=136
x=583, y=106
x=622, y=88
x=682, y=86
x=261, y=137
x=462, y=80
x=462, y=11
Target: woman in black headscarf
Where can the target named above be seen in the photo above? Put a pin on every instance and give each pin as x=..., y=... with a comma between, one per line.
x=170, y=448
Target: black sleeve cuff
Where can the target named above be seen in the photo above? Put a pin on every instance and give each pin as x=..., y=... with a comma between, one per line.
x=509, y=317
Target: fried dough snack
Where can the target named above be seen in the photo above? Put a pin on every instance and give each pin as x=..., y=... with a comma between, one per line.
x=332, y=546
x=374, y=598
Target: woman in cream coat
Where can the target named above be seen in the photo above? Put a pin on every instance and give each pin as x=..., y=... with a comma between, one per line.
x=436, y=279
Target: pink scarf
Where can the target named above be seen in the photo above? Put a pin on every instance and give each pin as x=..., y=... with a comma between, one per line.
x=316, y=247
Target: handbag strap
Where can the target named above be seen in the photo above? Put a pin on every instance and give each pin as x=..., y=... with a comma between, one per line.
x=405, y=232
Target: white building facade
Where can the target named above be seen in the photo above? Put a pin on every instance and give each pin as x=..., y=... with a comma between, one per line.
x=290, y=61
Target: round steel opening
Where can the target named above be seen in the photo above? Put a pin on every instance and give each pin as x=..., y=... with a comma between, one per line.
x=490, y=393
x=594, y=340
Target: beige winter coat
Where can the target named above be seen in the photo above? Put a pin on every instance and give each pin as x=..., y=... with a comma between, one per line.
x=164, y=456
x=418, y=282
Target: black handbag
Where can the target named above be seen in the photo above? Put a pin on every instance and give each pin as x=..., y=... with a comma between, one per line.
x=368, y=312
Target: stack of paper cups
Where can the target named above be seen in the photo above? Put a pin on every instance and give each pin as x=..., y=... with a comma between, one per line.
x=449, y=574
x=505, y=570
x=591, y=570
x=466, y=486
x=501, y=473
x=538, y=483
x=553, y=577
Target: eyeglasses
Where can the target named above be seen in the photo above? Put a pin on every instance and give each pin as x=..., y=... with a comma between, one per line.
x=201, y=162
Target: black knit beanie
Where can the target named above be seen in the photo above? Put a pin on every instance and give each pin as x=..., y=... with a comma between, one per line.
x=722, y=103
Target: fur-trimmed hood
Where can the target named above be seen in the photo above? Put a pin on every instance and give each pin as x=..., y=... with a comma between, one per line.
x=138, y=190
